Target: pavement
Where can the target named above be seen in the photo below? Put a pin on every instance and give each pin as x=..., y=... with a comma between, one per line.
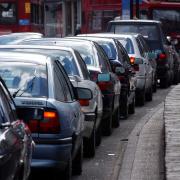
x=144, y=156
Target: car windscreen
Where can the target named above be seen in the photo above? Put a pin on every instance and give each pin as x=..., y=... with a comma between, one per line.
x=25, y=79
x=66, y=58
x=8, y=39
x=8, y=13
x=127, y=44
x=149, y=31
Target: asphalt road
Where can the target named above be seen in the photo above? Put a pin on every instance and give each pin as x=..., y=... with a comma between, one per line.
x=105, y=165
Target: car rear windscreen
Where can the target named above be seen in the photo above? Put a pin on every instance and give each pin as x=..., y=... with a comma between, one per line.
x=25, y=79
x=127, y=44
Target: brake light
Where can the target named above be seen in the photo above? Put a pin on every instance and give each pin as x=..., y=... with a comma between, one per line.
x=84, y=102
x=122, y=79
x=136, y=67
x=48, y=124
x=132, y=60
x=162, y=56
x=105, y=85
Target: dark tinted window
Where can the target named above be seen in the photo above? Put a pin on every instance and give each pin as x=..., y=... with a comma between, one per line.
x=170, y=19
x=30, y=80
x=8, y=13
x=58, y=87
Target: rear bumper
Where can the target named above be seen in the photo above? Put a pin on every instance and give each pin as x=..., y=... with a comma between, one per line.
x=52, y=154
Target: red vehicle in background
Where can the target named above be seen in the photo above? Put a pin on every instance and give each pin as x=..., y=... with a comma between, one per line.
x=168, y=12
x=21, y=16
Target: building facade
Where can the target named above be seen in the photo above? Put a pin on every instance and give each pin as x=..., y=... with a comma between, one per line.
x=61, y=17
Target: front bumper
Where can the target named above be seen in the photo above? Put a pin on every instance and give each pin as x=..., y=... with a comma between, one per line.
x=52, y=153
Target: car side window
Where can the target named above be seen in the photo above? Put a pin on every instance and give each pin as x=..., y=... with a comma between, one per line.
x=66, y=83
x=104, y=61
x=6, y=113
x=59, y=91
x=83, y=66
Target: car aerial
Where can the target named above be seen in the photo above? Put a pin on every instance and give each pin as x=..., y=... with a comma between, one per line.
x=140, y=61
x=16, y=143
x=79, y=76
x=119, y=60
x=152, y=31
x=14, y=38
x=100, y=72
x=48, y=103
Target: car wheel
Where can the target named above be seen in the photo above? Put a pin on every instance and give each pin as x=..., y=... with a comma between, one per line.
x=78, y=161
x=140, y=98
x=149, y=95
x=164, y=83
x=124, y=107
x=67, y=173
x=107, y=128
x=90, y=144
x=116, y=118
x=155, y=85
x=99, y=135
x=132, y=107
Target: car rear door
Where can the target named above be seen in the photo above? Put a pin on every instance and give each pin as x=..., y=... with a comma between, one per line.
x=11, y=138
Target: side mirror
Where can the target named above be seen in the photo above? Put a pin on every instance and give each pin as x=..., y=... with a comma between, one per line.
x=119, y=70
x=138, y=61
x=151, y=55
x=104, y=77
x=84, y=93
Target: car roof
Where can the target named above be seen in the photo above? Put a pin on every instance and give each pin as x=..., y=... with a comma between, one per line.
x=37, y=58
x=69, y=49
x=136, y=21
x=22, y=34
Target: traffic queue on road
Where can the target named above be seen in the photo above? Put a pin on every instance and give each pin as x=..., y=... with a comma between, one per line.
x=60, y=95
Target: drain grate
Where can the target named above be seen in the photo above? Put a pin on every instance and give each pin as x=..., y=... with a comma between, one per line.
x=124, y=140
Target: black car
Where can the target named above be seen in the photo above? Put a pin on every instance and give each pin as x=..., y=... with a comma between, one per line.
x=100, y=72
x=16, y=144
x=119, y=60
x=152, y=31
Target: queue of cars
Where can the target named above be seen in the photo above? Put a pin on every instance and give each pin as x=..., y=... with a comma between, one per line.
x=67, y=92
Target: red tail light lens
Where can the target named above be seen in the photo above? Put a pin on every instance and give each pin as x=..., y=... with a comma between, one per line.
x=49, y=124
x=105, y=85
x=132, y=60
x=162, y=56
x=84, y=102
x=122, y=79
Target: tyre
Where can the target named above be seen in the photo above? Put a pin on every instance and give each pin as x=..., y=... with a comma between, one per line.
x=107, y=127
x=164, y=82
x=132, y=107
x=67, y=173
x=99, y=135
x=116, y=118
x=140, y=98
x=90, y=145
x=124, y=107
x=78, y=161
x=149, y=95
x=155, y=85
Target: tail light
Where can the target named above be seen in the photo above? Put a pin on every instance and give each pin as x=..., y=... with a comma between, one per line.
x=132, y=60
x=122, y=79
x=162, y=56
x=48, y=124
x=105, y=85
x=84, y=102
x=136, y=67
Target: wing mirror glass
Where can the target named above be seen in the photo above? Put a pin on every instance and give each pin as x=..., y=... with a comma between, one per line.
x=138, y=61
x=103, y=77
x=84, y=93
x=119, y=70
